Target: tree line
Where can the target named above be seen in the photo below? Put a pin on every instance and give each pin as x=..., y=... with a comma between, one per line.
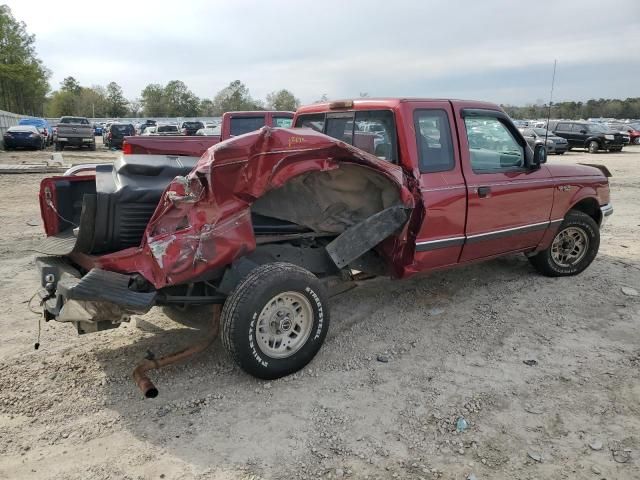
x=23, y=77
x=174, y=99
x=603, y=107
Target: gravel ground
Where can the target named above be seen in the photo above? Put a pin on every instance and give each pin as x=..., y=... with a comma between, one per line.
x=455, y=342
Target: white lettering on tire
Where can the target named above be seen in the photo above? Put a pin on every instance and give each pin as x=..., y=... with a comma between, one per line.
x=320, y=312
x=256, y=355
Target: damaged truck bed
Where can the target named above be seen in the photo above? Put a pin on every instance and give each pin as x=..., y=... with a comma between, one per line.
x=262, y=222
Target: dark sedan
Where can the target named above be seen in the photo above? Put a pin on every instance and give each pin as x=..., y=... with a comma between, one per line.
x=554, y=144
x=23, y=136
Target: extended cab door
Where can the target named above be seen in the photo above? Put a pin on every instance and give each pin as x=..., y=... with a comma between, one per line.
x=435, y=150
x=508, y=203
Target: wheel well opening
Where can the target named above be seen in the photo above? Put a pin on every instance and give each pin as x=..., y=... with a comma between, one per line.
x=591, y=207
x=330, y=201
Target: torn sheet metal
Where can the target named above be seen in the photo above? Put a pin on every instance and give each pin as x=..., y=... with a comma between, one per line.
x=203, y=221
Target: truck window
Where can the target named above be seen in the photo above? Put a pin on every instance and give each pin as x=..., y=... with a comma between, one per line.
x=242, y=125
x=314, y=121
x=564, y=127
x=82, y=121
x=282, y=122
x=433, y=136
x=492, y=147
x=373, y=131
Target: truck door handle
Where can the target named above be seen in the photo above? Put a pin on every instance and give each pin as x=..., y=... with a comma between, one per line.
x=484, y=191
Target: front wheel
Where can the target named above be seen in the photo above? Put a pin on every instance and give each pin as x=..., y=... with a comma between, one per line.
x=275, y=320
x=573, y=248
x=593, y=146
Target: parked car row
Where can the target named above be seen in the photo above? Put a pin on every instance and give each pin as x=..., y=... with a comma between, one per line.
x=560, y=136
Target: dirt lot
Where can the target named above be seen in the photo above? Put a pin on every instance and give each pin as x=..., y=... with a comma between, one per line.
x=455, y=343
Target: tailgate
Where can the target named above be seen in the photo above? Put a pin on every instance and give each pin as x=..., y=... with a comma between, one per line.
x=74, y=130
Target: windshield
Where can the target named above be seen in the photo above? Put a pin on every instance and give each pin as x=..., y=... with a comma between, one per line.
x=193, y=125
x=80, y=120
x=541, y=131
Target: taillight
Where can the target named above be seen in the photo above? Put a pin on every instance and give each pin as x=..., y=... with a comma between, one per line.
x=126, y=148
x=109, y=135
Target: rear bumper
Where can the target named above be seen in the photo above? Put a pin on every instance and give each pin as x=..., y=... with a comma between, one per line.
x=23, y=142
x=77, y=140
x=96, y=301
x=607, y=211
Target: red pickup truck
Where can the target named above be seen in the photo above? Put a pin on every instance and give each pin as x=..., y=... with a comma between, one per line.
x=265, y=223
x=233, y=124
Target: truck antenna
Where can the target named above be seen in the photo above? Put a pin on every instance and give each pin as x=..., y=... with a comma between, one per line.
x=553, y=81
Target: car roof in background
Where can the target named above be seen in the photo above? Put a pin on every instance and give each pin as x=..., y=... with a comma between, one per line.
x=33, y=121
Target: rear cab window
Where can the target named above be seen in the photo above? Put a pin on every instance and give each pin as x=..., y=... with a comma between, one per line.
x=282, y=122
x=80, y=120
x=370, y=130
x=122, y=129
x=193, y=125
x=242, y=125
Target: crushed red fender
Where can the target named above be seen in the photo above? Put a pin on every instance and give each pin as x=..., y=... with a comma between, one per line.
x=203, y=220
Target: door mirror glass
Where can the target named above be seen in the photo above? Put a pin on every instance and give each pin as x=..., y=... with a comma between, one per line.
x=539, y=155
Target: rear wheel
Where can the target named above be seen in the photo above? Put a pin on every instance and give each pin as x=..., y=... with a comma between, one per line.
x=593, y=146
x=636, y=141
x=92, y=147
x=573, y=248
x=275, y=320
x=59, y=147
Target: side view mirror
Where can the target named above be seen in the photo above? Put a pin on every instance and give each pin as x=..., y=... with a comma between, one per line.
x=539, y=155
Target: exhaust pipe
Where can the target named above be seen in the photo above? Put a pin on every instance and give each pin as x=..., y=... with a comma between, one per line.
x=140, y=372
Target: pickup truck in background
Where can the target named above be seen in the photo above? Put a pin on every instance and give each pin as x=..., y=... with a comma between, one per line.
x=75, y=132
x=232, y=125
x=264, y=224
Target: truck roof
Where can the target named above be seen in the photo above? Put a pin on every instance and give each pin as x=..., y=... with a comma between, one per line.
x=388, y=103
x=259, y=112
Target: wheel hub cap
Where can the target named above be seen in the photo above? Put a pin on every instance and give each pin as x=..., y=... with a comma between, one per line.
x=284, y=324
x=569, y=246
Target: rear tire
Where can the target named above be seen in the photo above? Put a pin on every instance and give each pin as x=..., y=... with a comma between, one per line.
x=573, y=248
x=636, y=141
x=92, y=147
x=275, y=320
x=593, y=147
x=59, y=147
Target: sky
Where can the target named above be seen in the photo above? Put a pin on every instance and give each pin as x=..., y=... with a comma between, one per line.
x=494, y=50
